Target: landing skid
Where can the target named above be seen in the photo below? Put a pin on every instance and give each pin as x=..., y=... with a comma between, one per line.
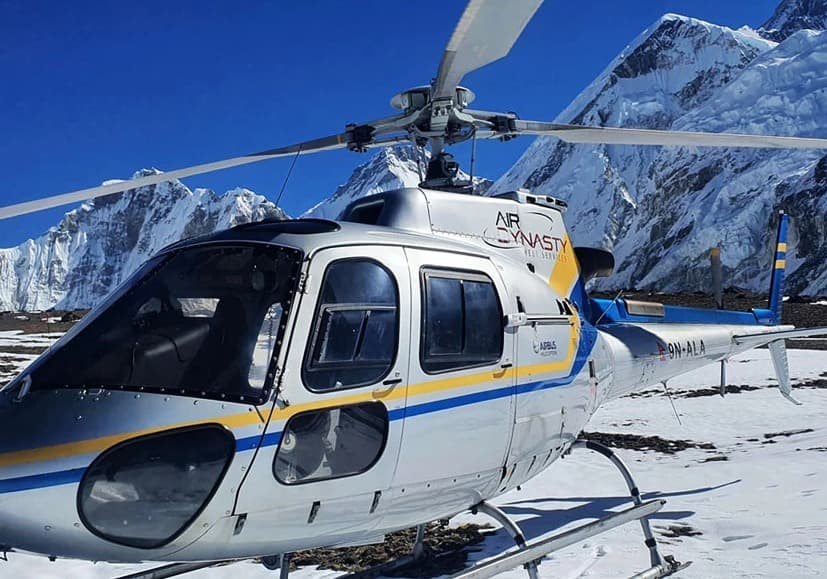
x=528, y=554
x=172, y=570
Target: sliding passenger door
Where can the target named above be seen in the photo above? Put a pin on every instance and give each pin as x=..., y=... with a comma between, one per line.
x=460, y=400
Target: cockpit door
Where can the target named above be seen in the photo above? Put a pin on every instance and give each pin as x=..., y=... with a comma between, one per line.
x=331, y=446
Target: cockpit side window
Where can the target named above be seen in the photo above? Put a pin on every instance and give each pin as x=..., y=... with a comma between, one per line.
x=461, y=321
x=355, y=334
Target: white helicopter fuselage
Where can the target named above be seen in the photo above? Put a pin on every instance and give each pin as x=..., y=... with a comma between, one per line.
x=435, y=355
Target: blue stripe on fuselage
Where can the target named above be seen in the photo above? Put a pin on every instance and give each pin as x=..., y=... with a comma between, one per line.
x=588, y=337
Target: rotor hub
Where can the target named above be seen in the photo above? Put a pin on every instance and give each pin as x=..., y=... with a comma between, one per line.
x=419, y=97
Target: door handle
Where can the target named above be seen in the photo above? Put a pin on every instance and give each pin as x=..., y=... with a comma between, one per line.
x=387, y=386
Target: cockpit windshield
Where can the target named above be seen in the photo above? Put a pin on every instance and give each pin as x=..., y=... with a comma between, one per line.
x=204, y=321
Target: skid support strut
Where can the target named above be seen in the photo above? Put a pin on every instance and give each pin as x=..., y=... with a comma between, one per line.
x=529, y=554
x=660, y=566
x=512, y=528
x=654, y=556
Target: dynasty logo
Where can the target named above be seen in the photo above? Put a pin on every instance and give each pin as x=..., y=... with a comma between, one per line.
x=535, y=234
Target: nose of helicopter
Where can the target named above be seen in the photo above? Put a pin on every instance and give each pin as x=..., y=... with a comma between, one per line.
x=38, y=473
x=85, y=475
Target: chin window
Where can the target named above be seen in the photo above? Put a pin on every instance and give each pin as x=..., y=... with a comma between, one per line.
x=146, y=491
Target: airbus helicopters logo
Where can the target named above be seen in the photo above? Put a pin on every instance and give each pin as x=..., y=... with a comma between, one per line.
x=535, y=234
x=545, y=347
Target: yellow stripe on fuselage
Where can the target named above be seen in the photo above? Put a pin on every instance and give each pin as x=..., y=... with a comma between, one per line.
x=565, y=272
x=96, y=445
x=782, y=247
x=250, y=418
x=780, y=263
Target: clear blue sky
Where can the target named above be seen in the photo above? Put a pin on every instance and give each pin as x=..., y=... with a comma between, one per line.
x=91, y=91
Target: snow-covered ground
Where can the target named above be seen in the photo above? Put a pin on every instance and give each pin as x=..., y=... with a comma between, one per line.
x=761, y=512
x=18, y=338
x=17, y=350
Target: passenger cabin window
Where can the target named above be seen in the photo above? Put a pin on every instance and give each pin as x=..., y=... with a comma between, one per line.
x=462, y=321
x=331, y=443
x=354, y=338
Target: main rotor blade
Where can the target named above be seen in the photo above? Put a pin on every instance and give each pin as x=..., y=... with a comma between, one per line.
x=323, y=144
x=619, y=136
x=485, y=33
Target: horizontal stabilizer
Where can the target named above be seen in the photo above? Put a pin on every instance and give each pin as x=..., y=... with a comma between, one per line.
x=760, y=338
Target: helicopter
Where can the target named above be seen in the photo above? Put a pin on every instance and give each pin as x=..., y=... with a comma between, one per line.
x=285, y=385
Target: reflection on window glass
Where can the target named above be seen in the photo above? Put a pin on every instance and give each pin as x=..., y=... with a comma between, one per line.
x=462, y=321
x=483, y=322
x=205, y=321
x=354, y=339
x=144, y=492
x=198, y=307
x=331, y=443
x=444, y=321
x=265, y=345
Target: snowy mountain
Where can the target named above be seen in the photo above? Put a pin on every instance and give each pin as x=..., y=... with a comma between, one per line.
x=95, y=247
x=392, y=167
x=794, y=15
x=661, y=209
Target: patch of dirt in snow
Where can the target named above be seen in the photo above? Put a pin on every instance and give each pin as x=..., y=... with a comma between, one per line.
x=640, y=442
x=818, y=383
x=695, y=393
x=446, y=551
x=788, y=433
x=677, y=530
x=36, y=350
x=36, y=323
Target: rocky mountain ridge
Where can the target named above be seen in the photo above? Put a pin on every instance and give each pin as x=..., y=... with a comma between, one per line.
x=391, y=168
x=661, y=209
x=96, y=246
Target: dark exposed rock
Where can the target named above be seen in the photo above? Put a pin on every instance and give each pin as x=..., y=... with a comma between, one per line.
x=98, y=245
x=445, y=552
x=787, y=433
x=640, y=442
x=793, y=15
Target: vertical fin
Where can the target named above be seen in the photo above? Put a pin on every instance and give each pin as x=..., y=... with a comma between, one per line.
x=779, y=264
x=778, y=351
